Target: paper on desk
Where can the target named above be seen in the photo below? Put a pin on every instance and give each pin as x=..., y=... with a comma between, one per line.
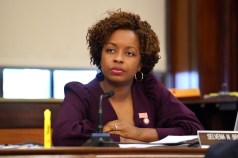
x=169, y=140
x=135, y=145
x=22, y=146
x=176, y=139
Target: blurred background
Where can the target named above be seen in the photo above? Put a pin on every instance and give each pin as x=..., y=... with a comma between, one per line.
x=43, y=43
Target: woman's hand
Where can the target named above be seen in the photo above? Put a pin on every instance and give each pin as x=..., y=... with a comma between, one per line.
x=130, y=133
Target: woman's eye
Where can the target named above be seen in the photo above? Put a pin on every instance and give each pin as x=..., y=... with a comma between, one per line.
x=110, y=50
x=130, y=53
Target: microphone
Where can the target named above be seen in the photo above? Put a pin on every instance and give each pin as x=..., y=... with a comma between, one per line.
x=101, y=139
x=105, y=95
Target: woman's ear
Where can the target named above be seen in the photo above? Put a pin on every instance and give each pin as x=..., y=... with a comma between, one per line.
x=140, y=67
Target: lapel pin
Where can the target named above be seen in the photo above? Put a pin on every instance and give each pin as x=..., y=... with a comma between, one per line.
x=144, y=116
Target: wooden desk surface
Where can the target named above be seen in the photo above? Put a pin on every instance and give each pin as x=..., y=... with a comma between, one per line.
x=90, y=152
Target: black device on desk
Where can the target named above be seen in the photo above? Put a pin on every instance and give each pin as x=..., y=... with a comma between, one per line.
x=100, y=138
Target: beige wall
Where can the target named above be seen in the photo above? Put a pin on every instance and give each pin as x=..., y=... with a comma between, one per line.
x=52, y=33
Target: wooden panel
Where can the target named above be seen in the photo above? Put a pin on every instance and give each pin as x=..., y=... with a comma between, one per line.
x=211, y=44
x=207, y=45
x=233, y=39
x=178, y=38
x=26, y=113
x=216, y=39
x=181, y=44
x=22, y=135
x=182, y=41
x=22, y=120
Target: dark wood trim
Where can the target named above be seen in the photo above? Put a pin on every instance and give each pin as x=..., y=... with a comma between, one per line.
x=202, y=38
x=233, y=46
x=91, y=152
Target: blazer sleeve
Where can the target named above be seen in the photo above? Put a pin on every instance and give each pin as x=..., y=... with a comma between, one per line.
x=173, y=117
x=72, y=126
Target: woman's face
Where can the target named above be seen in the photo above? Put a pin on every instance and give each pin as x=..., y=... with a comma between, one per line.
x=121, y=56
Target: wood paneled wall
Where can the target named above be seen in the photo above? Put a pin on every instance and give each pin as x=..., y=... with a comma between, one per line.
x=203, y=38
x=22, y=120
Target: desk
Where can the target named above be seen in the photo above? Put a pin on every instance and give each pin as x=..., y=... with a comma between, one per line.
x=215, y=113
x=18, y=117
x=106, y=152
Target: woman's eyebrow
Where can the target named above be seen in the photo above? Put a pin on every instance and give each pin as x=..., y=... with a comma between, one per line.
x=128, y=47
x=110, y=43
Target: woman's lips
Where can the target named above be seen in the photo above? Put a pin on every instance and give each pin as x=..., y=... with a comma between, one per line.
x=117, y=71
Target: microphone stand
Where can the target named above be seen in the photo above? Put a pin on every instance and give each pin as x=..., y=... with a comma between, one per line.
x=101, y=139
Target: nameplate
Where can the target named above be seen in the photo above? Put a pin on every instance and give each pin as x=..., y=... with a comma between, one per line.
x=207, y=138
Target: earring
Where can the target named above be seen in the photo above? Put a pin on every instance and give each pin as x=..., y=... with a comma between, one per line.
x=139, y=76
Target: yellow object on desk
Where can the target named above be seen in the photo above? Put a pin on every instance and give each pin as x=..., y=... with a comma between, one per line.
x=228, y=93
x=47, y=128
x=185, y=93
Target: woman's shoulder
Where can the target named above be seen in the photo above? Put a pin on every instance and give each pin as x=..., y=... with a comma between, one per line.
x=74, y=85
x=82, y=89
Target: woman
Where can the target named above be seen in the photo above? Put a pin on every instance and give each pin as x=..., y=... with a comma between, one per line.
x=125, y=49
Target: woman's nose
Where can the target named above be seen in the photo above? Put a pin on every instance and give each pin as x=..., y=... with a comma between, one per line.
x=118, y=57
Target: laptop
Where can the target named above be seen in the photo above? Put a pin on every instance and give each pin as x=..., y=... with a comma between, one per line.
x=236, y=124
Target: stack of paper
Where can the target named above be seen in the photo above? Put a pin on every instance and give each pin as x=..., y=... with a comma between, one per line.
x=169, y=140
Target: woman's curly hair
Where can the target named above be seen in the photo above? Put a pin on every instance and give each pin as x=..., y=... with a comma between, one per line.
x=99, y=33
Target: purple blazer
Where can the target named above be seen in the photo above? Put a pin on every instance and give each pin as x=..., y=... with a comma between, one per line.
x=78, y=115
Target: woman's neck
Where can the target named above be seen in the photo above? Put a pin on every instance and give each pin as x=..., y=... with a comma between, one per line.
x=121, y=92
